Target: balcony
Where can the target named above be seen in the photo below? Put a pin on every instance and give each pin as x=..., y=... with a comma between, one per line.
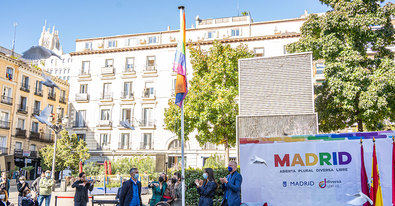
x=148, y=95
x=82, y=97
x=81, y=125
x=18, y=152
x=150, y=71
x=52, y=96
x=104, y=123
x=25, y=88
x=36, y=111
x=108, y=70
x=62, y=99
x=128, y=73
x=3, y=150
x=6, y=100
x=34, y=135
x=147, y=124
x=4, y=124
x=145, y=146
x=47, y=137
x=22, y=109
x=106, y=97
x=84, y=76
x=127, y=96
x=20, y=133
x=33, y=154
x=38, y=93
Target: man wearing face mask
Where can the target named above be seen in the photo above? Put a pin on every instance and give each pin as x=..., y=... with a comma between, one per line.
x=231, y=185
x=131, y=190
x=22, y=187
x=45, y=189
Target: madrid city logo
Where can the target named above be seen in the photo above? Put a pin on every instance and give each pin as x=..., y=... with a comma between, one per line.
x=329, y=183
x=322, y=184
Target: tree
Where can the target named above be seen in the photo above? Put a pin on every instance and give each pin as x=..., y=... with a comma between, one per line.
x=210, y=106
x=69, y=152
x=359, y=87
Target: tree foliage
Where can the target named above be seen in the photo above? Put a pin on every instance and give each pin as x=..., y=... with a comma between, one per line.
x=359, y=85
x=69, y=152
x=210, y=107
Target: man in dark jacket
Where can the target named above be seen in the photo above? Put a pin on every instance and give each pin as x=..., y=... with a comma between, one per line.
x=81, y=192
x=131, y=190
x=232, y=186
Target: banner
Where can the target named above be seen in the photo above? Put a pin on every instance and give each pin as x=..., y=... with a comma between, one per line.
x=310, y=173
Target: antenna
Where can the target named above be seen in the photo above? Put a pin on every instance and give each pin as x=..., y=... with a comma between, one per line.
x=238, y=7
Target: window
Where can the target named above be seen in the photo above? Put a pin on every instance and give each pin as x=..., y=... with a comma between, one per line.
x=319, y=68
x=3, y=144
x=129, y=64
x=83, y=89
x=22, y=106
x=85, y=67
x=37, y=107
x=109, y=63
x=152, y=40
x=34, y=127
x=18, y=145
x=33, y=147
x=124, y=141
x=105, y=114
x=147, y=117
x=25, y=82
x=111, y=43
x=9, y=73
x=175, y=144
x=80, y=118
x=61, y=113
x=4, y=116
x=127, y=90
x=39, y=87
x=235, y=32
x=7, y=92
x=259, y=52
x=285, y=49
x=174, y=161
x=150, y=63
x=106, y=90
x=127, y=115
x=21, y=124
x=131, y=42
x=81, y=137
x=50, y=108
x=104, y=140
x=146, y=141
x=88, y=45
x=210, y=34
x=149, y=90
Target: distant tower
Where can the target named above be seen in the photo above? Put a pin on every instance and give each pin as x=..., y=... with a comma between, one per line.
x=50, y=40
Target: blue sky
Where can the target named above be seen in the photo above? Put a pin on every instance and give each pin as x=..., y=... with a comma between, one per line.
x=93, y=18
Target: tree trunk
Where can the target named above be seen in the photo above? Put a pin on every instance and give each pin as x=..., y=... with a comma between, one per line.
x=360, y=125
x=226, y=152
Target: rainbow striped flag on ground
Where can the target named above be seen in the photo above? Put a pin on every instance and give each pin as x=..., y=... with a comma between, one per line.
x=179, y=66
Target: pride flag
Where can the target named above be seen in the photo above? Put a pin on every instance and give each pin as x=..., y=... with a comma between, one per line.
x=181, y=88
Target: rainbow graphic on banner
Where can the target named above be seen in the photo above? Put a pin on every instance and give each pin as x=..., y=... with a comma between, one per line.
x=179, y=66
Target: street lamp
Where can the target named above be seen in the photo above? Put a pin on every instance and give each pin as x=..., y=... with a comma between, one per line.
x=57, y=128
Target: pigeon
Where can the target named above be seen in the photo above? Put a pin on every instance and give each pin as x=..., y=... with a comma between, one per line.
x=48, y=82
x=360, y=199
x=126, y=124
x=38, y=52
x=257, y=160
x=44, y=116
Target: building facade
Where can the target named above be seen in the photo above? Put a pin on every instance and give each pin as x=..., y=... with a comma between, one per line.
x=129, y=77
x=24, y=95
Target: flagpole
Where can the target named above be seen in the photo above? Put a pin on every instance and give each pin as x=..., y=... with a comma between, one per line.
x=181, y=8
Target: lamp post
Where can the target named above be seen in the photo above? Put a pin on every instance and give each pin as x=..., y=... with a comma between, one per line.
x=57, y=127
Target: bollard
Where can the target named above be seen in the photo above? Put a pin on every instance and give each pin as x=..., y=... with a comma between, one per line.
x=56, y=201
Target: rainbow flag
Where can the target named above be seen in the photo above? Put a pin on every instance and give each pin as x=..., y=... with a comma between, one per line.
x=179, y=66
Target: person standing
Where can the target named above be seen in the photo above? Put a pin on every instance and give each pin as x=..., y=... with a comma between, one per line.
x=36, y=183
x=231, y=185
x=206, y=188
x=45, y=189
x=131, y=190
x=176, y=190
x=81, y=192
x=4, y=199
x=22, y=187
x=5, y=183
x=158, y=188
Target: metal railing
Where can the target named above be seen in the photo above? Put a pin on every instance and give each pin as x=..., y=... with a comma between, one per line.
x=145, y=145
x=21, y=133
x=62, y=99
x=6, y=100
x=36, y=111
x=150, y=69
x=106, y=96
x=108, y=70
x=22, y=109
x=104, y=123
x=147, y=94
x=18, y=152
x=34, y=135
x=82, y=97
x=25, y=88
x=127, y=95
x=52, y=95
x=4, y=124
x=147, y=123
x=38, y=93
x=3, y=150
x=33, y=153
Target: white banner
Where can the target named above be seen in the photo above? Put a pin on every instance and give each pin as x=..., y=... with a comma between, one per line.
x=311, y=173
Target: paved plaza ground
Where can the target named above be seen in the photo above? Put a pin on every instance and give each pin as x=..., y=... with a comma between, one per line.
x=69, y=193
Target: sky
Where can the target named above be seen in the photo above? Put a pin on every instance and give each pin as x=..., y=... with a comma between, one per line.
x=77, y=19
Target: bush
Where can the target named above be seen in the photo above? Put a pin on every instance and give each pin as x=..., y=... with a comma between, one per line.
x=214, y=162
x=192, y=196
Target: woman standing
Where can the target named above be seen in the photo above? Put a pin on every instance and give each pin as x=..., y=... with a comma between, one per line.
x=176, y=190
x=158, y=188
x=22, y=186
x=206, y=188
x=4, y=199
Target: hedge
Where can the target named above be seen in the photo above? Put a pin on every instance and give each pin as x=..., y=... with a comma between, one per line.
x=192, y=196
